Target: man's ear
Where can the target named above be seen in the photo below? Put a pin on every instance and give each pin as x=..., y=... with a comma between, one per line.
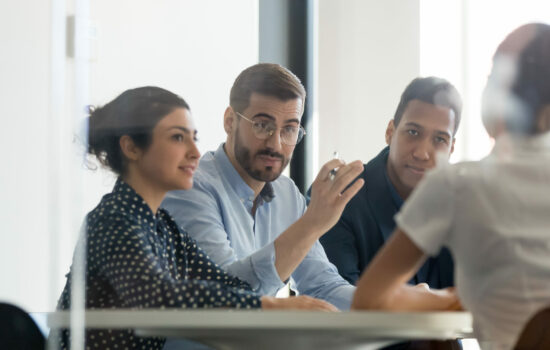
x=228, y=120
x=389, y=132
x=130, y=150
x=452, y=145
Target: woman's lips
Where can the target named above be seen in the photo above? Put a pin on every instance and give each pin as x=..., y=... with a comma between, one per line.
x=190, y=169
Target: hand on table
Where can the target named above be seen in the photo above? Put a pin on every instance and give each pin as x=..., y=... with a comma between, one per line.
x=301, y=302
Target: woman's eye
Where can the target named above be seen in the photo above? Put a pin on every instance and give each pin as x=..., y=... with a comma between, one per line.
x=178, y=137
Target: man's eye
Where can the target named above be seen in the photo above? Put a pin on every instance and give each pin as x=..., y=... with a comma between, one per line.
x=412, y=132
x=261, y=125
x=290, y=130
x=441, y=140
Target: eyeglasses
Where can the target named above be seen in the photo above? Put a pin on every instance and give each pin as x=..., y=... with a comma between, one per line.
x=290, y=135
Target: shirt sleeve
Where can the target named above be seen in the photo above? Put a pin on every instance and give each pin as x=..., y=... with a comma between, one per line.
x=316, y=276
x=125, y=257
x=428, y=214
x=203, y=268
x=197, y=211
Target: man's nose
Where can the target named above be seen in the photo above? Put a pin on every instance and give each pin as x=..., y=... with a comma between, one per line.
x=423, y=150
x=274, y=141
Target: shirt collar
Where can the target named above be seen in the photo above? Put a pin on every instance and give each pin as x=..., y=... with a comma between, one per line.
x=509, y=145
x=129, y=198
x=242, y=189
x=397, y=200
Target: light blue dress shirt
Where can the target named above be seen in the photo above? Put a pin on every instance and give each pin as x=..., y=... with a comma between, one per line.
x=217, y=214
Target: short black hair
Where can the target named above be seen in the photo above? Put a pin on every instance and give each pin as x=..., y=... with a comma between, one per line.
x=135, y=113
x=432, y=90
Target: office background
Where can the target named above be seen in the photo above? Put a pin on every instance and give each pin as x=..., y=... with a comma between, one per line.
x=57, y=56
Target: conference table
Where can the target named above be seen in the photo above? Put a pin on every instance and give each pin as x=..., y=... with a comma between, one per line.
x=237, y=329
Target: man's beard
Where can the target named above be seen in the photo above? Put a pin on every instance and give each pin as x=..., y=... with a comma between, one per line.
x=267, y=174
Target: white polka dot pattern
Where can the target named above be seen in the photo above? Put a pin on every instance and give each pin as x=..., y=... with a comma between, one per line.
x=136, y=259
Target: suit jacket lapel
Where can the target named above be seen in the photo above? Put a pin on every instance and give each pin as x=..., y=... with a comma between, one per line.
x=378, y=194
x=382, y=204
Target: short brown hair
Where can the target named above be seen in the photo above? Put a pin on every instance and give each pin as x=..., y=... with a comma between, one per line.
x=268, y=79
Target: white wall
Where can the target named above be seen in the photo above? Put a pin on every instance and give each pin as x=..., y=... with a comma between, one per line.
x=195, y=48
x=368, y=52
x=24, y=91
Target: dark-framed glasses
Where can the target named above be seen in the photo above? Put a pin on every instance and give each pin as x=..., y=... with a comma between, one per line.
x=264, y=129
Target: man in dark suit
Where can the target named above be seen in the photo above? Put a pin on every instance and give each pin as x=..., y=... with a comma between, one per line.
x=424, y=125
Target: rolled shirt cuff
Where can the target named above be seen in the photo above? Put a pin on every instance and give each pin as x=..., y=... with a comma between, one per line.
x=258, y=269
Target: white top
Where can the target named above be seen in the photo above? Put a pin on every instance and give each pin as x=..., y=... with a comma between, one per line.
x=494, y=216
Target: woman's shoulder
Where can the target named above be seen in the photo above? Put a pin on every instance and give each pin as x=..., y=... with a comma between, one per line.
x=110, y=212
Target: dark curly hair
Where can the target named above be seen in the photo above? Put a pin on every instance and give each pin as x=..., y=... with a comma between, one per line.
x=135, y=113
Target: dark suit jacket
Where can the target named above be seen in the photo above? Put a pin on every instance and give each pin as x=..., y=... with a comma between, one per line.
x=367, y=222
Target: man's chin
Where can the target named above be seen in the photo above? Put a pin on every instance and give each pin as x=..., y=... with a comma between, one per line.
x=266, y=175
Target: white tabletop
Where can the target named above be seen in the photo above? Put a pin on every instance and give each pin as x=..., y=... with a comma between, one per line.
x=235, y=329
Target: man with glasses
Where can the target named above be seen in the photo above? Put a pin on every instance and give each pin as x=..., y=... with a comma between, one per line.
x=249, y=218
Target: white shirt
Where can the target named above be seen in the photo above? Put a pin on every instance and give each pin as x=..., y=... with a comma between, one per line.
x=494, y=216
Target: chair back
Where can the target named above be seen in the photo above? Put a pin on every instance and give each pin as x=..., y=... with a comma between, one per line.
x=536, y=333
x=18, y=330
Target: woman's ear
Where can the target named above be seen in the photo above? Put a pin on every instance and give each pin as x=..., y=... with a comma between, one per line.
x=129, y=149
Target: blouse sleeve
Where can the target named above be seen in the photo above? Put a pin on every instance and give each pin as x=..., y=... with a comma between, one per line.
x=203, y=268
x=124, y=256
x=428, y=214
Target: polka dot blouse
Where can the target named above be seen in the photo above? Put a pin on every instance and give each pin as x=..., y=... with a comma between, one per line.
x=136, y=259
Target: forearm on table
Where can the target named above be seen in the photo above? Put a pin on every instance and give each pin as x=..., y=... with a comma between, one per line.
x=411, y=298
x=383, y=282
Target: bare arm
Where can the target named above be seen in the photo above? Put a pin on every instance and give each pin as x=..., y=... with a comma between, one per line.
x=383, y=284
x=328, y=200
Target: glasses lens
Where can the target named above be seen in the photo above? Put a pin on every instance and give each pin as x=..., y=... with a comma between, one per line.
x=292, y=135
x=289, y=135
x=263, y=129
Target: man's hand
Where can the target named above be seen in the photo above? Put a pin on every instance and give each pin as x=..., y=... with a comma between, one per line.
x=301, y=302
x=329, y=197
x=328, y=200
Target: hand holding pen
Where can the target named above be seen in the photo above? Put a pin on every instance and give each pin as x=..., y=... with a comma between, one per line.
x=332, y=173
x=332, y=189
